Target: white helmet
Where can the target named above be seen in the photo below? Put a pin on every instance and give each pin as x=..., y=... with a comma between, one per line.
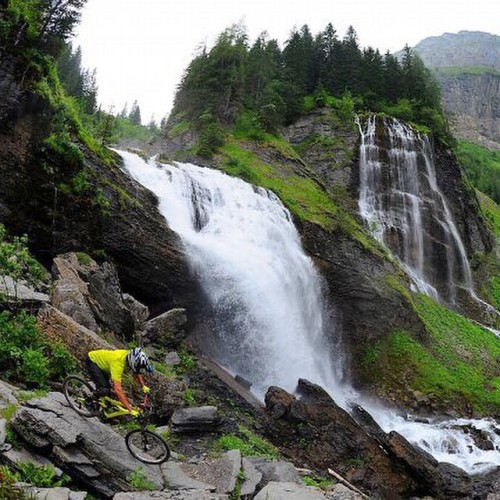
x=138, y=361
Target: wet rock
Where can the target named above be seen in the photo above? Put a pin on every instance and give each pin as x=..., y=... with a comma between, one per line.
x=278, y=401
x=167, y=329
x=317, y=432
x=243, y=382
x=441, y=479
x=200, y=419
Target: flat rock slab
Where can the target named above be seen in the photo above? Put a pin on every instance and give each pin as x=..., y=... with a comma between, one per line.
x=289, y=491
x=223, y=472
x=82, y=447
x=279, y=471
x=199, y=419
x=171, y=495
x=177, y=479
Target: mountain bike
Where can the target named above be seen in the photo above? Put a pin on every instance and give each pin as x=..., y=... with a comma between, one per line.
x=144, y=444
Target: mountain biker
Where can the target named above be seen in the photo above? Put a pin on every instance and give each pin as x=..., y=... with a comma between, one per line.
x=106, y=365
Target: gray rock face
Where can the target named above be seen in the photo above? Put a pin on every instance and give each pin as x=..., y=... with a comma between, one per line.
x=277, y=471
x=3, y=430
x=91, y=295
x=471, y=99
x=86, y=449
x=201, y=419
x=252, y=478
x=167, y=329
x=22, y=293
x=36, y=493
x=289, y=491
x=171, y=495
x=222, y=472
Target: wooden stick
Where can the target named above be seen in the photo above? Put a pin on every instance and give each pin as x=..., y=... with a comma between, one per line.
x=347, y=483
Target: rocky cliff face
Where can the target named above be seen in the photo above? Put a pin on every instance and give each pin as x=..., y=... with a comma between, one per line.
x=115, y=217
x=467, y=66
x=472, y=103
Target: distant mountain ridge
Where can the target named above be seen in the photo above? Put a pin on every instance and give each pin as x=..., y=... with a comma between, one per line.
x=467, y=67
x=462, y=49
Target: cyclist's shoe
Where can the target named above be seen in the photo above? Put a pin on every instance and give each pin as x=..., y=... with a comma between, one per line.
x=134, y=412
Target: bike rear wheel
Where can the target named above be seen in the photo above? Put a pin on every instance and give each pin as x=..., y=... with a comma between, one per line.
x=147, y=446
x=80, y=395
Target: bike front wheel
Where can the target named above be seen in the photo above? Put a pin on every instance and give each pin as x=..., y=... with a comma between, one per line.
x=147, y=446
x=80, y=395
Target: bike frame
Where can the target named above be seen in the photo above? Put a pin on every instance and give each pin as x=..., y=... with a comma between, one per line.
x=117, y=409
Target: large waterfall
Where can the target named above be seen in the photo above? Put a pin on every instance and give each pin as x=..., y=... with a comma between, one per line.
x=405, y=209
x=271, y=325
x=265, y=294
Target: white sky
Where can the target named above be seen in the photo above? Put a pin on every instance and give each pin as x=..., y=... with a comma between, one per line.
x=141, y=48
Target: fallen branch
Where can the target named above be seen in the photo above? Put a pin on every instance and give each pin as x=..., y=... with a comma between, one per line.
x=345, y=482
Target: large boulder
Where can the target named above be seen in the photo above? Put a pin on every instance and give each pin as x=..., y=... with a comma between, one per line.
x=166, y=330
x=91, y=294
x=86, y=449
x=318, y=433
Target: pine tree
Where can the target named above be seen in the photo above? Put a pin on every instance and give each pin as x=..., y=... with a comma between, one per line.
x=135, y=114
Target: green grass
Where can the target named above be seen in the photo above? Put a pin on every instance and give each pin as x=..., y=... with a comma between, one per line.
x=459, y=366
x=249, y=444
x=467, y=70
x=482, y=166
x=491, y=212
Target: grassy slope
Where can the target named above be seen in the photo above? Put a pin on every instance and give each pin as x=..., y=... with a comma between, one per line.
x=458, y=368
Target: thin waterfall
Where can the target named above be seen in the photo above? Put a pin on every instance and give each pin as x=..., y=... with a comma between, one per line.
x=268, y=315
x=404, y=208
x=271, y=324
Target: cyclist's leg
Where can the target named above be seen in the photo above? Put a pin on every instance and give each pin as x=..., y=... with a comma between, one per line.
x=100, y=379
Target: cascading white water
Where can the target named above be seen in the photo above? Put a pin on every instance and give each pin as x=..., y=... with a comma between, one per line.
x=269, y=315
x=267, y=298
x=405, y=209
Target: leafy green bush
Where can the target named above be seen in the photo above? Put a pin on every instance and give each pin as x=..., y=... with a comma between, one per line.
x=139, y=481
x=35, y=367
x=34, y=364
x=43, y=476
x=17, y=262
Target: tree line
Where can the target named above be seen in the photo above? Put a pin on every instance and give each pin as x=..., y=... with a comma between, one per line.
x=235, y=76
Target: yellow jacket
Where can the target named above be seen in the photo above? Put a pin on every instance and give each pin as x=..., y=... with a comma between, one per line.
x=112, y=362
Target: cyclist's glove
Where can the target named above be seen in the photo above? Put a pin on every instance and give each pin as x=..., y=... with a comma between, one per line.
x=146, y=389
